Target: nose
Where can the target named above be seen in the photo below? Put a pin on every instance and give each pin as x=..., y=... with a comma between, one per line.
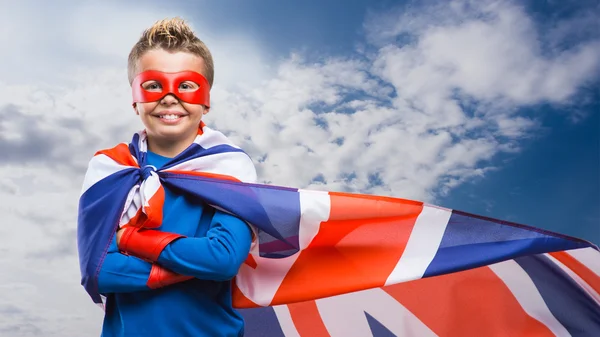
x=169, y=99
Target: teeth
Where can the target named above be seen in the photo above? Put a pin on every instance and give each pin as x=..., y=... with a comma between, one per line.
x=169, y=116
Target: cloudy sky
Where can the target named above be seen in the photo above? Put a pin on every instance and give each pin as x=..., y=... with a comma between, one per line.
x=488, y=107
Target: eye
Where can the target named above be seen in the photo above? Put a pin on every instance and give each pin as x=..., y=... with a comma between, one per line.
x=151, y=86
x=188, y=86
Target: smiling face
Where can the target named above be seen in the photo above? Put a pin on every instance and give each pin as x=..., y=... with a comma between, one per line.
x=171, y=124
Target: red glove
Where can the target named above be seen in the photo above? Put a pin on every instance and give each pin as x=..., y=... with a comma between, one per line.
x=162, y=277
x=146, y=244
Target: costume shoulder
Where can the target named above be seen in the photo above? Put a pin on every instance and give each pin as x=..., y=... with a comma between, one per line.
x=223, y=157
x=119, y=153
x=106, y=162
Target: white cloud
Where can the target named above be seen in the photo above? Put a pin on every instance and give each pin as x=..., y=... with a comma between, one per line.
x=490, y=50
x=410, y=120
x=44, y=303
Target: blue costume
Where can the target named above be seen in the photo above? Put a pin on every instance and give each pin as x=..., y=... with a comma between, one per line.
x=215, y=246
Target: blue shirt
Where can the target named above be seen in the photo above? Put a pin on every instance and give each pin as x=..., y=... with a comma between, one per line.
x=215, y=247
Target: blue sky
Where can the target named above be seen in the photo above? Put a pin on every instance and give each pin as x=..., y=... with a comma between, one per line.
x=329, y=26
x=553, y=183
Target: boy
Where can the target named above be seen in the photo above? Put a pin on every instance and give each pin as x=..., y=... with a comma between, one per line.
x=173, y=280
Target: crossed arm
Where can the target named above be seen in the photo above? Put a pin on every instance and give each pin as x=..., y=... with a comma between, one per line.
x=144, y=259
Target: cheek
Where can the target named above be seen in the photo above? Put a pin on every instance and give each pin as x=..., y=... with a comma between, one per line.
x=195, y=109
x=143, y=108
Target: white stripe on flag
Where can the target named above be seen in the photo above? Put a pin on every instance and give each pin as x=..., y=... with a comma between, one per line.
x=149, y=188
x=132, y=204
x=586, y=287
x=272, y=271
x=527, y=294
x=269, y=273
x=103, y=304
x=422, y=245
x=315, y=207
x=100, y=167
x=211, y=138
x=344, y=315
x=234, y=164
x=285, y=321
x=588, y=256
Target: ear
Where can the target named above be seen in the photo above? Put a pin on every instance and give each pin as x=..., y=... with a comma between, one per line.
x=206, y=110
x=135, y=109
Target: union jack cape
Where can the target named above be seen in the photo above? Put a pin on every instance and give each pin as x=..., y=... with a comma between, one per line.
x=339, y=264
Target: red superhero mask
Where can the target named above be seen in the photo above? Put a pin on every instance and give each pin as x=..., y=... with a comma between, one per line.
x=170, y=84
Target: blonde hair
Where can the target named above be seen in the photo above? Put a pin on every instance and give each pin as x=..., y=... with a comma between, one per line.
x=171, y=35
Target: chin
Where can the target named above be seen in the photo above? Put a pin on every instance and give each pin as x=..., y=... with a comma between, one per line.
x=175, y=132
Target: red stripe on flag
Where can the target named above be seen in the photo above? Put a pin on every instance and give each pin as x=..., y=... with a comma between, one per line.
x=138, y=219
x=351, y=255
x=468, y=303
x=307, y=320
x=238, y=298
x=120, y=154
x=251, y=262
x=579, y=268
x=155, y=210
x=352, y=206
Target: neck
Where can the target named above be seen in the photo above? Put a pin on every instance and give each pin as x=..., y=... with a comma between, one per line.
x=169, y=149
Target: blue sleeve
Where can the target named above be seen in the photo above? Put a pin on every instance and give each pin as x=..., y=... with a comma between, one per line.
x=217, y=256
x=121, y=273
